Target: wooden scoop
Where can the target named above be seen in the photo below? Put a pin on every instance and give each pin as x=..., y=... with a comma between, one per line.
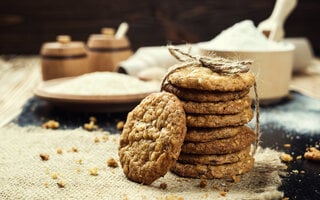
x=272, y=27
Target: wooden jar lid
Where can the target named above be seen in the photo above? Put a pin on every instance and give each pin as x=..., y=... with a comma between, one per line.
x=63, y=47
x=106, y=41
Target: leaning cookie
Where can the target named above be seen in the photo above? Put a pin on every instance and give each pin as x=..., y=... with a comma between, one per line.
x=214, y=159
x=203, y=78
x=220, y=108
x=212, y=121
x=152, y=137
x=204, y=95
x=221, y=146
x=213, y=171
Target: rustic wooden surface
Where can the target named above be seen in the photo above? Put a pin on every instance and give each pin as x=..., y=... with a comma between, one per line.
x=25, y=25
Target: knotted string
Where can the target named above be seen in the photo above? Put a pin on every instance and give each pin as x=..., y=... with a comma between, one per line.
x=221, y=66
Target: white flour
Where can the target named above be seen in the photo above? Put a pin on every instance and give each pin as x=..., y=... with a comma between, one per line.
x=104, y=83
x=244, y=36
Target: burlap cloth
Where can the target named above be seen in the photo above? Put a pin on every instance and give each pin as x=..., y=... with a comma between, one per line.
x=23, y=175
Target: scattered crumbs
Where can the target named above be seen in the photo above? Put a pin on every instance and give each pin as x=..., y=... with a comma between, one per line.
x=51, y=124
x=61, y=184
x=79, y=161
x=163, y=186
x=125, y=197
x=78, y=170
x=96, y=140
x=90, y=126
x=223, y=193
x=236, y=179
x=46, y=184
x=287, y=145
x=286, y=157
x=299, y=157
x=59, y=151
x=93, y=171
x=74, y=149
x=44, y=156
x=111, y=162
x=173, y=197
x=203, y=182
x=93, y=119
x=312, y=154
x=120, y=125
x=295, y=171
x=54, y=175
x=105, y=137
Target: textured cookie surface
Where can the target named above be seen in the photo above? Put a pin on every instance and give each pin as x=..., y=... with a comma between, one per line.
x=203, y=78
x=152, y=137
x=213, y=171
x=209, y=134
x=214, y=159
x=204, y=95
x=221, y=146
x=226, y=107
x=212, y=121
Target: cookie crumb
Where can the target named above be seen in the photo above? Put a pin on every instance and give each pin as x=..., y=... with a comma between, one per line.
x=94, y=171
x=286, y=157
x=299, y=157
x=74, y=149
x=111, y=162
x=236, y=179
x=61, y=184
x=312, y=154
x=54, y=175
x=223, y=193
x=105, y=137
x=90, y=126
x=93, y=119
x=78, y=170
x=59, y=151
x=163, y=186
x=96, y=140
x=51, y=124
x=79, y=161
x=46, y=184
x=203, y=182
x=287, y=145
x=44, y=156
x=120, y=125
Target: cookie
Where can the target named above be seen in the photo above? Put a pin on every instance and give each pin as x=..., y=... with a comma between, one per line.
x=213, y=171
x=214, y=159
x=203, y=78
x=209, y=134
x=212, y=121
x=226, y=107
x=221, y=146
x=204, y=95
x=152, y=137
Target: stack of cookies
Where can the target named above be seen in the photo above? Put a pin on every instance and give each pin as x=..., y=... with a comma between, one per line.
x=217, y=107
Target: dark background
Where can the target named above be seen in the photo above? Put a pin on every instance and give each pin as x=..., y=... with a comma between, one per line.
x=26, y=24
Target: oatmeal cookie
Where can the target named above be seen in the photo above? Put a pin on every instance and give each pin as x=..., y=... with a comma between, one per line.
x=214, y=159
x=203, y=78
x=209, y=134
x=204, y=95
x=212, y=121
x=152, y=137
x=221, y=146
x=213, y=171
x=226, y=107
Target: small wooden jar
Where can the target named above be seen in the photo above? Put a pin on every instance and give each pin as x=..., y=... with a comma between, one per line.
x=105, y=51
x=63, y=58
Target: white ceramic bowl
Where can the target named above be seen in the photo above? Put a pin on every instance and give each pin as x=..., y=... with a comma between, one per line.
x=272, y=69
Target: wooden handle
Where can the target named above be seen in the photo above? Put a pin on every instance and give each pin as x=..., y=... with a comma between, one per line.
x=282, y=10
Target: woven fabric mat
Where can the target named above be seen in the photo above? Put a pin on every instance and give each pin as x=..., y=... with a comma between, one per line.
x=23, y=175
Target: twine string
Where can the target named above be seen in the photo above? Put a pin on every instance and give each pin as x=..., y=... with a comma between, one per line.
x=221, y=66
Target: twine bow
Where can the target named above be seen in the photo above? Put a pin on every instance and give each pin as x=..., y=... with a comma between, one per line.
x=221, y=66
